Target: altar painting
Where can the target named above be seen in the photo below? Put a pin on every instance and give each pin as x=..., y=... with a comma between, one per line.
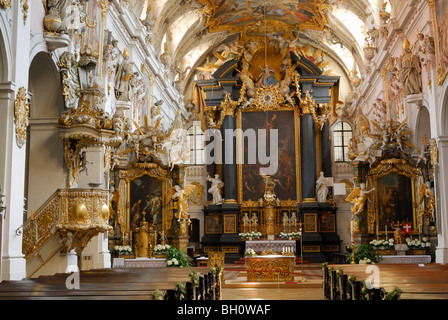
x=439, y=10
x=145, y=199
x=251, y=183
x=394, y=198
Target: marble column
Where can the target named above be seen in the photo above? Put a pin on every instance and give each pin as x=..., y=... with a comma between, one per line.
x=229, y=166
x=442, y=201
x=308, y=156
x=326, y=150
x=13, y=158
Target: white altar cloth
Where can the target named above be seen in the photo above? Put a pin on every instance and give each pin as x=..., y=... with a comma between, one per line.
x=277, y=246
x=139, y=263
x=406, y=259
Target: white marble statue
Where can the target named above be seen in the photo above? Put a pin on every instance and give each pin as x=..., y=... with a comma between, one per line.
x=216, y=189
x=321, y=188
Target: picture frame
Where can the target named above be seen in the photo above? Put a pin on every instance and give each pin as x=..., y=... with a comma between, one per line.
x=213, y=224
x=439, y=13
x=229, y=223
x=250, y=183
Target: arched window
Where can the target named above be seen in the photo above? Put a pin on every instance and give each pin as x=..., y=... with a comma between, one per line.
x=196, y=141
x=342, y=133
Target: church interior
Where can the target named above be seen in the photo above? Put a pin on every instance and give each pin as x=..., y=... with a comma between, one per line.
x=223, y=149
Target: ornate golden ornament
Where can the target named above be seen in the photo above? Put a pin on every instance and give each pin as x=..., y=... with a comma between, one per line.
x=6, y=4
x=21, y=115
x=25, y=7
x=434, y=152
x=268, y=98
x=75, y=215
x=79, y=211
x=105, y=212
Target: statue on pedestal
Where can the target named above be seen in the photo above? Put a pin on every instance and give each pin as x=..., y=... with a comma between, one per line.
x=142, y=245
x=321, y=188
x=216, y=189
x=410, y=70
x=125, y=72
x=254, y=222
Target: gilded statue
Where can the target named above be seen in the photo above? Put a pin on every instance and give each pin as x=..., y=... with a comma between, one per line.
x=142, y=240
x=426, y=194
x=398, y=234
x=410, y=70
x=182, y=196
x=358, y=197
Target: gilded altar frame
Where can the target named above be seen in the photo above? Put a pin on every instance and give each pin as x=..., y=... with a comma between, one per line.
x=385, y=168
x=437, y=10
x=155, y=171
x=239, y=151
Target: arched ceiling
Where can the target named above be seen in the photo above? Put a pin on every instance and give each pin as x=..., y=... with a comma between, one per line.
x=197, y=32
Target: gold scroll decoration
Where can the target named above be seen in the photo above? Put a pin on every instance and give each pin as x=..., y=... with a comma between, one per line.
x=21, y=115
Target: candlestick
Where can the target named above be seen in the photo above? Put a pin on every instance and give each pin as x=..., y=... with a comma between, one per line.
x=377, y=233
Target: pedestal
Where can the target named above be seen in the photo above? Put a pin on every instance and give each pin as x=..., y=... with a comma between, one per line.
x=401, y=249
x=180, y=243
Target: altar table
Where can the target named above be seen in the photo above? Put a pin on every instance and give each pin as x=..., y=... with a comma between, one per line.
x=405, y=259
x=276, y=246
x=270, y=268
x=139, y=263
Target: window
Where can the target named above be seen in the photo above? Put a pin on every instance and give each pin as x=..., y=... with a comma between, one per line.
x=196, y=141
x=342, y=133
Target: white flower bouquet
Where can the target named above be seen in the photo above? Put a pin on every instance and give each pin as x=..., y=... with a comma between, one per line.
x=172, y=262
x=250, y=253
x=162, y=248
x=366, y=261
x=418, y=244
x=253, y=235
x=285, y=235
x=123, y=250
x=382, y=244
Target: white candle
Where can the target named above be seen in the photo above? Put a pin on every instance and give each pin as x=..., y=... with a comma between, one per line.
x=352, y=233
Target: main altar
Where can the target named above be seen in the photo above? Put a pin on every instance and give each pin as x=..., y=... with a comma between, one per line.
x=284, y=101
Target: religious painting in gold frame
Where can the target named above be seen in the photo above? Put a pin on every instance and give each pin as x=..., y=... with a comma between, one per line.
x=394, y=182
x=213, y=224
x=148, y=184
x=287, y=178
x=229, y=223
x=439, y=12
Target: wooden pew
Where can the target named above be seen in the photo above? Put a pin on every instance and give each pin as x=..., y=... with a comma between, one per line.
x=115, y=284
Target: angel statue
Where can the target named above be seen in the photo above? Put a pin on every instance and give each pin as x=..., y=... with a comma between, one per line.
x=216, y=189
x=183, y=196
x=426, y=193
x=359, y=198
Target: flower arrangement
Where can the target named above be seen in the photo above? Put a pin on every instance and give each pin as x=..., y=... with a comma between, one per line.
x=418, y=244
x=364, y=255
x=382, y=244
x=123, y=250
x=250, y=253
x=290, y=235
x=161, y=248
x=176, y=258
x=253, y=235
x=366, y=261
